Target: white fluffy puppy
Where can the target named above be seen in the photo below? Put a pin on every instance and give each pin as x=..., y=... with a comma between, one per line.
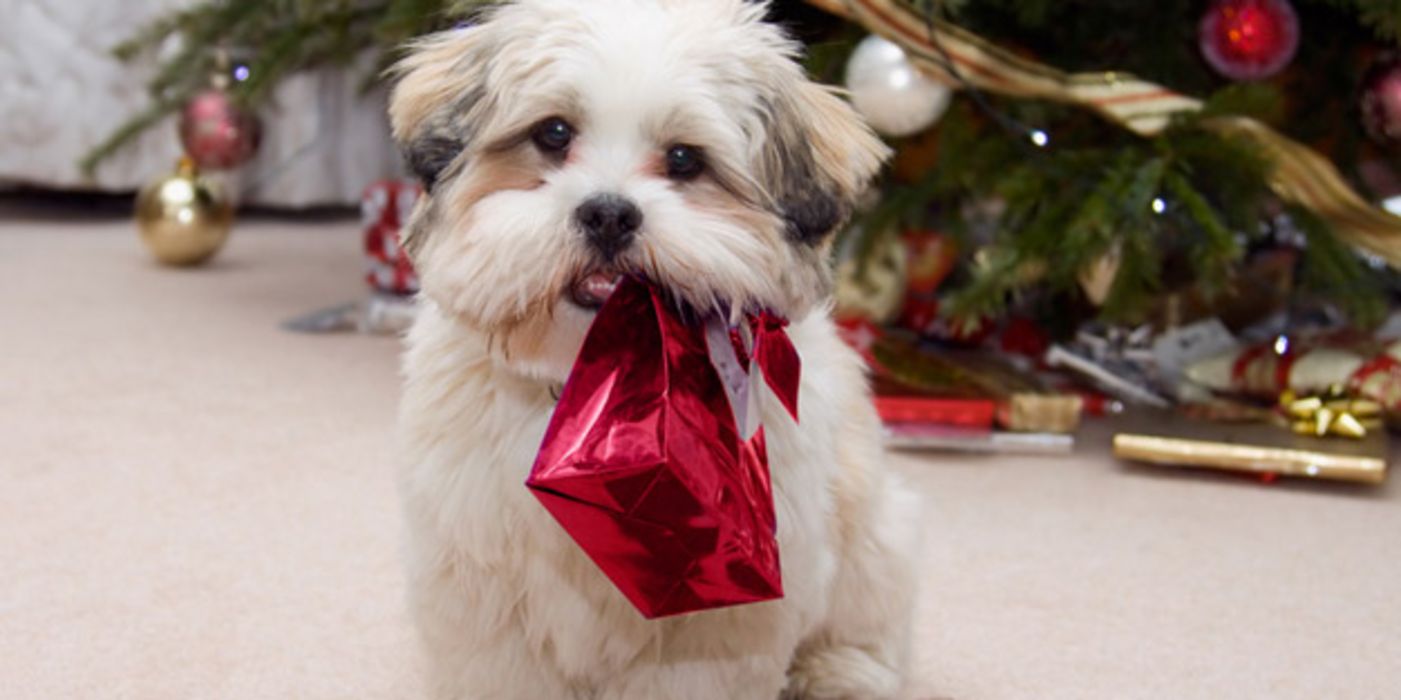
x=566, y=142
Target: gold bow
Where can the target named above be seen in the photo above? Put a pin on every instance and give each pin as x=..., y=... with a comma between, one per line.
x=1332, y=413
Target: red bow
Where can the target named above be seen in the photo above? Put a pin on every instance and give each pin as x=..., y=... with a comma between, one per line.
x=776, y=358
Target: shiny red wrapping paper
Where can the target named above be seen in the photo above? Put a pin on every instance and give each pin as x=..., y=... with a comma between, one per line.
x=644, y=465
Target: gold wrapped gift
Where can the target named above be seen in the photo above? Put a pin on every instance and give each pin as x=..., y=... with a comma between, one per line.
x=1025, y=403
x=1263, y=448
x=1042, y=413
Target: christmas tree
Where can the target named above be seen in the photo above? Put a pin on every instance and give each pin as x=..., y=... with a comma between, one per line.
x=1079, y=158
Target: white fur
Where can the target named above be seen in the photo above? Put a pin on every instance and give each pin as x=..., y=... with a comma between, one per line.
x=510, y=607
x=507, y=605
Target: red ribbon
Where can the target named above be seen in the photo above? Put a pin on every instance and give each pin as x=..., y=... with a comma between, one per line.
x=1381, y=364
x=777, y=359
x=1284, y=365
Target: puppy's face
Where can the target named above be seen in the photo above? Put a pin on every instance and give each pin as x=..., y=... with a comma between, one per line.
x=565, y=143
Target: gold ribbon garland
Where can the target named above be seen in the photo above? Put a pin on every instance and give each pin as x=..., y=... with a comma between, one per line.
x=1300, y=174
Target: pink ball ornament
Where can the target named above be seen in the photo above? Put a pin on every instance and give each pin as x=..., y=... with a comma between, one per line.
x=1381, y=100
x=1248, y=40
x=218, y=134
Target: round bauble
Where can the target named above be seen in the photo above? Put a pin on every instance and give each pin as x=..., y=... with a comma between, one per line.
x=1247, y=40
x=932, y=257
x=217, y=133
x=874, y=288
x=895, y=98
x=1381, y=100
x=183, y=219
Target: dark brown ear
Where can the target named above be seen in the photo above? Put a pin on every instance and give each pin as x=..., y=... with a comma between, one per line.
x=819, y=158
x=439, y=93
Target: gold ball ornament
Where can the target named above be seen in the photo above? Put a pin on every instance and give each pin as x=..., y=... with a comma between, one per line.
x=184, y=219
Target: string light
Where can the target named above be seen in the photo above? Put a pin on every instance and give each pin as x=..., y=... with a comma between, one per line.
x=1159, y=206
x=942, y=58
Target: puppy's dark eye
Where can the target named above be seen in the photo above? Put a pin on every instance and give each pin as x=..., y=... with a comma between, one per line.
x=684, y=162
x=553, y=135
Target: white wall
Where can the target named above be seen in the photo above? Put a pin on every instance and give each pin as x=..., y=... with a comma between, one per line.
x=61, y=93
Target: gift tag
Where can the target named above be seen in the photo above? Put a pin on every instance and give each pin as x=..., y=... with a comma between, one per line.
x=749, y=425
x=738, y=381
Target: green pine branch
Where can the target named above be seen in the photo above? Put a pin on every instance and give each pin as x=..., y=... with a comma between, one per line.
x=279, y=38
x=1178, y=208
x=1383, y=17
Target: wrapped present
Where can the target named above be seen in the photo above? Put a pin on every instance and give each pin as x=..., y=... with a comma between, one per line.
x=385, y=209
x=973, y=381
x=1379, y=379
x=1118, y=360
x=654, y=461
x=1261, y=448
x=896, y=409
x=915, y=422
x=1269, y=370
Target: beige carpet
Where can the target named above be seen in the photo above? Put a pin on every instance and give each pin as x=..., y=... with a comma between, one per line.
x=195, y=504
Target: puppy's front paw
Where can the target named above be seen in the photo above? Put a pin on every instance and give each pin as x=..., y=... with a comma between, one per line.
x=841, y=673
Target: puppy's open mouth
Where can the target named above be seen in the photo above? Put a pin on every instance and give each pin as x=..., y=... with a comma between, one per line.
x=594, y=287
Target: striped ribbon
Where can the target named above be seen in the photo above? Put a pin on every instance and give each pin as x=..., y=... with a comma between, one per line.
x=1300, y=174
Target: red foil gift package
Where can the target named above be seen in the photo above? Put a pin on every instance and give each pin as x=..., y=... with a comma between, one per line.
x=654, y=462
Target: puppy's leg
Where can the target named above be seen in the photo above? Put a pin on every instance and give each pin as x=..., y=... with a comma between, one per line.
x=737, y=653
x=503, y=672
x=474, y=650
x=861, y=651
x=700, y=679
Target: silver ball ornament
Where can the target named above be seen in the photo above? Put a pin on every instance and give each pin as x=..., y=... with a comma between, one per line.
x=894, y=96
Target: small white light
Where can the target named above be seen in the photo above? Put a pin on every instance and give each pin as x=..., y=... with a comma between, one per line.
x=1393, y=205
x=1312, y=470
x=1282, y=345
x=1159, y=205
x=1040, y=138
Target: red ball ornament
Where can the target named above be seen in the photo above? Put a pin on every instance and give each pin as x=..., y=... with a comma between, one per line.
x=216, y=133
x=1247, y=40
x=932, y=257
x=386, y=208
x=1381, y=100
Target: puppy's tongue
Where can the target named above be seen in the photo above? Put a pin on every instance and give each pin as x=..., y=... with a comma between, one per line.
x=592, y=291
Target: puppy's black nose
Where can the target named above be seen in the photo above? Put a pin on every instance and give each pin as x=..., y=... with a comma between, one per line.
x=610, y=223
